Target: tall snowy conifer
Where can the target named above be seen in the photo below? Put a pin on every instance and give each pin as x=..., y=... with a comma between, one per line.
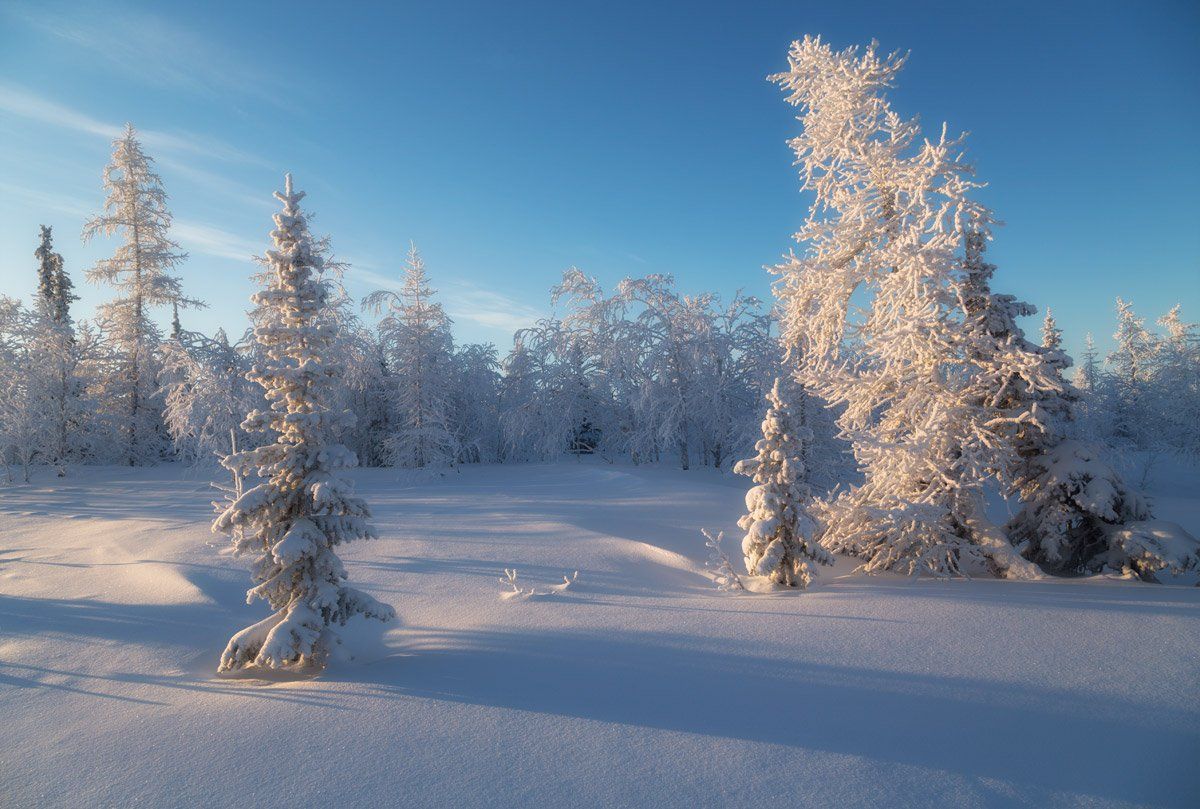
x=1069, y=497
x=890, y=211
x=780, y=541
x=304, y=507
x=141, y=271
x=54, y=386
x=416, y=337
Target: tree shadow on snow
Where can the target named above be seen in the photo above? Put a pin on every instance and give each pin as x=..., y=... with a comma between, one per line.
x=973, y=726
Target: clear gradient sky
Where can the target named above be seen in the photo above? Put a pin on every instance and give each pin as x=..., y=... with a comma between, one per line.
x=512, y=140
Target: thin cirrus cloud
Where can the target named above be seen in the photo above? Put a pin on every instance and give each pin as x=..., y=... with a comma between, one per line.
x=466, y=301
x=215, y=241
x=195, y=237
x=175, y=152
x=21, y=103
x=147, y=48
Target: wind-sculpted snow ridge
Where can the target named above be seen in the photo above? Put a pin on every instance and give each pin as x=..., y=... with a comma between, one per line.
x=641, y=686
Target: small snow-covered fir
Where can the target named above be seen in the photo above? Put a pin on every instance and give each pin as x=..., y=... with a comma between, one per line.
x=780, y=541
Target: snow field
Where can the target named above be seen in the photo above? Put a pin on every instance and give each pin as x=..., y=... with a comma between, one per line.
x=641, y=685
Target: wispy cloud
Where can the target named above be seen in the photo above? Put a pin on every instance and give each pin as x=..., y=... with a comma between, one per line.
x=43, y=201
x=21, y=103
x=195, y=237
x=214, y=241
x=466, y=301
x=147, y=48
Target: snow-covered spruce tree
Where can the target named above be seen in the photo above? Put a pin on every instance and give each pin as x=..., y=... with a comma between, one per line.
x=304, y=507
x=54, y=285
x=141, y=271
x=780, y=541
x=415, y=333
x=890, y=211
x=1030, y=406
x=54, y=386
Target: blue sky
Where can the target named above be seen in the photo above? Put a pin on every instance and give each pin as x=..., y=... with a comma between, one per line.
x=512, y=140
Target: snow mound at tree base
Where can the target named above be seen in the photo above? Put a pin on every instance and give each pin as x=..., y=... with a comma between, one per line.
x=1153, y=549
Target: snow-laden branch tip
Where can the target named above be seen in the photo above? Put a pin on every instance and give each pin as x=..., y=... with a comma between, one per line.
x=517, y=591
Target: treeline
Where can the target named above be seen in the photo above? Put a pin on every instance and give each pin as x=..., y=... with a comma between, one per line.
x=642, y=373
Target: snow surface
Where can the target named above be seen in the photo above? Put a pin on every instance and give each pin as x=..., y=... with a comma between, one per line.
x=640, y=685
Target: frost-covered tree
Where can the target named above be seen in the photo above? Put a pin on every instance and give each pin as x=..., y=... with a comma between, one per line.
x=54, y=387
x=206, y=396
x=21, y=427
x=566, y=408
x=141, y=272
x=415, y=333
x=520, y=416
x=643, y=372
x=1088, y=373
x=1177, y=383
x=475, y=403
x=370, y=393
x=54, y=285
x=1130, y=395
x=780, y=541
x=304, y=505
x=890, y=211
x=1071, y=500
x=1051, y=333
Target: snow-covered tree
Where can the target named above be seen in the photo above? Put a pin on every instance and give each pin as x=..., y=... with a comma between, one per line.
x=1051, y=333
x=206, y=396
x=54, y=386
x=1071, y=500
x=1072, y=503
x=520, y=416
x=304, y=505
x=1129, y=381
x=141, y=272
x=643, y=372
x=415, y=333
x=780, y=541
x=1177, y=383
x=475, y=403
x=1087, y=375
x=54, y=285
x=890, y=211
x=21, y=427
x=370, y=393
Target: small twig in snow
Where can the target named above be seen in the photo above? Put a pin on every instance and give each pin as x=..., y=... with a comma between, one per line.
x=723, y=573
x=517, y=591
